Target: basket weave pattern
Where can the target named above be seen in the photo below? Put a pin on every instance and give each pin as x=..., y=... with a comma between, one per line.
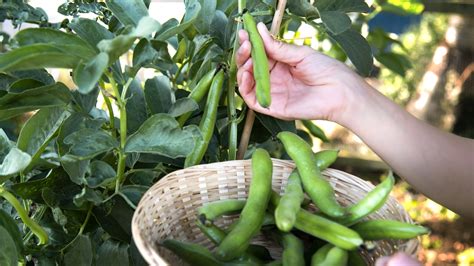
x=168, y=209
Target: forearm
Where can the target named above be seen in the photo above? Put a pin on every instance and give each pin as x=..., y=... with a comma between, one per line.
x=437, y=164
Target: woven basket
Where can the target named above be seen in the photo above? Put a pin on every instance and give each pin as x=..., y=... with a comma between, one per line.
x=168, y=209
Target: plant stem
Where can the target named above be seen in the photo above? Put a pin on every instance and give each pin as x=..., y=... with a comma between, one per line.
x=231, y=89
x=178, y=73
x=250, y=119
x=34, y=227
x=88, y=216
x=121, y=103
x=109, y=108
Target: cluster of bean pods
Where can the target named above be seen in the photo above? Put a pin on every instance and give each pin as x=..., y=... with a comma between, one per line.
x=335, y=233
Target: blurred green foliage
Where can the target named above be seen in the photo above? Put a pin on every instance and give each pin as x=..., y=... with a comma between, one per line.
x=419, y=43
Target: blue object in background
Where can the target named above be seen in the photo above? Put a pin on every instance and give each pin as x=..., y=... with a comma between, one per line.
x=393, y=23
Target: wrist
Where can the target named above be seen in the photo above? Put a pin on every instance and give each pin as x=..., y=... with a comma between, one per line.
x=358, y=97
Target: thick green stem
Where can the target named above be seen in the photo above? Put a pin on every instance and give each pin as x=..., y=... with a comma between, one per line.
x=121, y=103
x=109, y=109
x=231, y=90
x=34, y=227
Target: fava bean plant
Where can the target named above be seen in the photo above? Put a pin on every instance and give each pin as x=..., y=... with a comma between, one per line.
x=72, y=175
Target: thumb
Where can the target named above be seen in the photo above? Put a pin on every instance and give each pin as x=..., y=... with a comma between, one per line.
x=280, y=51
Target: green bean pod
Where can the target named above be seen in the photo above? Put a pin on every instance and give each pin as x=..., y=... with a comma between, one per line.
x=373, y=201
x=268, y=219
x=388, y=229
x=193, y=254
x=212, y=210
x=208, y=121
x=318, y=189
x=315, y=130
x=330, y=255
x=355, y=259
x=293, y=250
x=251, y=218
x=290, y=203
x=325, y=158
x=198, y=93
x=261, y=70
x=214, y=233
x=323, y=228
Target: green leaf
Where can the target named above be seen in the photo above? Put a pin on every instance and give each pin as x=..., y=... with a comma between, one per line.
x=158, y=94
x=119, y=45
x=128, y=12
x=7, y=222
x=8, y=252
x=192, y=13
x=23, y=85
x=87, y=75
x=203, y=21
x=182, y=106
x=335, y=21
x=88, y=195
x=76, y=170
x=73, y=123
x=343, y=5
x=218, y=28
x=14, y=163
x=357, y=49
x=133, y=193
x=61, y=190
x=101, y=175
x=37, y=56
x=80, y=252
x=394, y=61
x=65, y=42
x=39, y=130
x=90, y=31
x=151, y=54
x=161, y=134
x=85, y=101
x=5, y=145
x=136, y=108
x=302, y=8
x=88, y=143
x=40, y=75
x=275, y=126
x=115, y=220
x=113, y=253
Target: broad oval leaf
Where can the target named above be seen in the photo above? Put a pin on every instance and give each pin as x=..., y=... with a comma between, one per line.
x=335, y=21
x=90, y=31
x=87, y=75
x=40, y=128
x=8, y=252
x=113, y=253
x=218, y=28
x=15, y=161
x=203, y=21
x=183, y=106
x=342, y=5
x=192, y=13
x=158, y=94
x=132, y=194
x=161, y=134
x=80, y=252
x=7, y=222
x=101, y=174
x=302, y=8
x=128, y=12
x=135, y=106
x=66, y=42
x=37, y=56
x=5, y=144
x=357, y=49
x=88, y=143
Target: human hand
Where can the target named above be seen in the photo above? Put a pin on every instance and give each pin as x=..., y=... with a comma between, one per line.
x=305, y=84
x=399, y=259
